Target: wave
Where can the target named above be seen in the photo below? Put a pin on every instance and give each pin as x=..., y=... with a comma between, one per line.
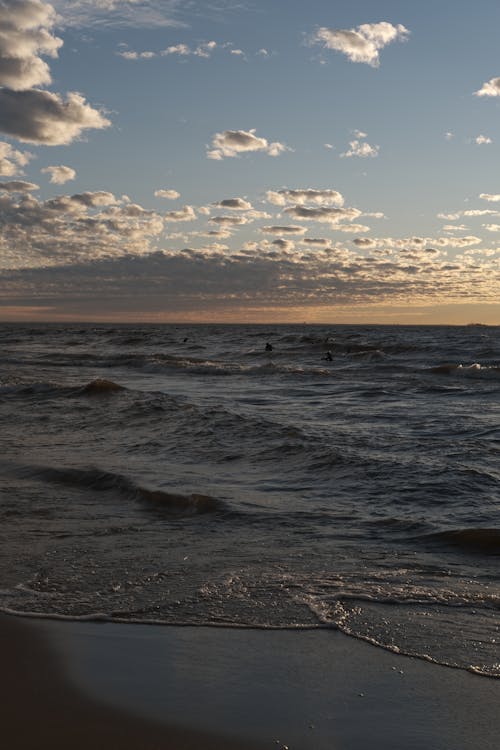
x=483, y=540
x=104, y=481
x=474, y=370
x=100, y=387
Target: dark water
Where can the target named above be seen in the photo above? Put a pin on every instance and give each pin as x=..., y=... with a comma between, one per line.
x=210, y=482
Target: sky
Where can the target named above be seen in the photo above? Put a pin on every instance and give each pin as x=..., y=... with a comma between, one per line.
x=250, y=161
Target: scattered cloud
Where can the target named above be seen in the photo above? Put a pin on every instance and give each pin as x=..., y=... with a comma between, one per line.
x=187, y=213
x=232, y=143
x=361, y=149
x=302, y=196
x=449, y=135
x=490, y=88
x=482, y=140
x=59, y=174
x=491, y=198
x=72, y=229
x=169, y=194
x=362, y=44
x=12, y=160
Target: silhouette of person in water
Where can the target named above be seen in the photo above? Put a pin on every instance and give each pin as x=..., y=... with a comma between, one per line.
x=269, y=347
x=328, y=357
x=184, y=340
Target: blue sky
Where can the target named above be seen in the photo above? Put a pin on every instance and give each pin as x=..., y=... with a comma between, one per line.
x=322, y=161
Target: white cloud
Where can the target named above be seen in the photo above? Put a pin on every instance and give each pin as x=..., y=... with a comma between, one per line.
x=59, y=174
x=482, y=140
x=12, y=160
x=232, y=143
x=361, y=45
x=361, y=149
x=177, y=49
x=301, y=196
x=42, y=117
x=492, y=227
x=187, y=213
x=490, y=88
x=328, y=146
x=169, y=194
x=449, y=135
x=491, y=198
x=205, y=49
x=131, y=55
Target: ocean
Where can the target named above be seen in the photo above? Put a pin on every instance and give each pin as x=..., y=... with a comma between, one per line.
x=183, y=474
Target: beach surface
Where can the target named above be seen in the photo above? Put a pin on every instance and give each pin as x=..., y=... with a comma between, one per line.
x=107, y=685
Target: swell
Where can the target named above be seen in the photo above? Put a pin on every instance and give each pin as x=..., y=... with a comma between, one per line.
x=96, y=480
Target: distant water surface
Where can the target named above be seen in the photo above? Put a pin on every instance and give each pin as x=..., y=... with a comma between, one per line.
x=184, y=474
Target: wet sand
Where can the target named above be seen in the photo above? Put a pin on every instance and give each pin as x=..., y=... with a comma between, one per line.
x=80, y=685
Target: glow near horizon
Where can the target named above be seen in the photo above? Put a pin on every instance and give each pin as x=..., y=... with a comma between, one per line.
x=323, y=164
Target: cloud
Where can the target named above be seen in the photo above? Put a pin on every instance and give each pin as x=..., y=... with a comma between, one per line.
x=289, y=229
x=12, y=160
x=42, y=117
x=131, y=55
x=261, y=276
x=177, y=49
x=305, y=195
x=490, y=88
x=59, y=174
x=18, y=186
x=71, y=229
x=146, y=13
x=232, y=143
x=482, y=140
x=235, y=204
x=27, y=113
x=491, y=198
x=169, y=194
x=361, y=45
x=363, y=150
x=25, y=35
x=492, y=227
x=229, y=220
x=187, y=213
x=323, y=214
x=449, y=135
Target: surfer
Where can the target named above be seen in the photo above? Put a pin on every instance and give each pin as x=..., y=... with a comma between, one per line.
x=269, y=347
x=328, y=357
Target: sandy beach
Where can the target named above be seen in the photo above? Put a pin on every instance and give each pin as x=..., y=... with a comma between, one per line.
x=81, y=684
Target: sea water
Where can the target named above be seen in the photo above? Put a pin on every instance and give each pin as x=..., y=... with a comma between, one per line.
x=185, y=474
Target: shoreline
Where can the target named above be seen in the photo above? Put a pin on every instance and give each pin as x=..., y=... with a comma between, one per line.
x=80, y=684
